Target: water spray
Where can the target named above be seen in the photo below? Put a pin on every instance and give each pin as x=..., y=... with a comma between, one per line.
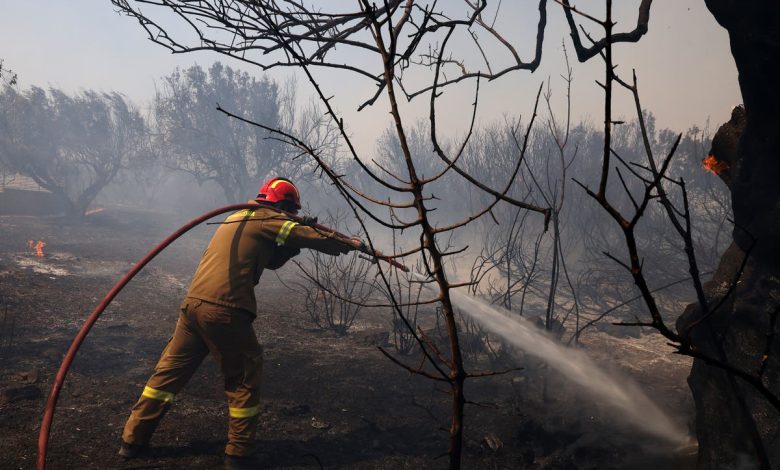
x=51, y=404
x=621, y=394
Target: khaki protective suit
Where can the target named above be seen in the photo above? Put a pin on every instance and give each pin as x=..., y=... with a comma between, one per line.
x=216, y=317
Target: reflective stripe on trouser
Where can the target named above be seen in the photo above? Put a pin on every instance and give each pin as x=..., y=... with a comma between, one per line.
x=243, y=405
x=226, y=333
x=178, y=361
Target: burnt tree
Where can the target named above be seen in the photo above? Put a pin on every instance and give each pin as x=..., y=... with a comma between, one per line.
x=735, y=424
x=730, y=331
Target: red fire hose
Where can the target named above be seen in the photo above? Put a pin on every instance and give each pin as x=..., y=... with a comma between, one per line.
x=51, y=404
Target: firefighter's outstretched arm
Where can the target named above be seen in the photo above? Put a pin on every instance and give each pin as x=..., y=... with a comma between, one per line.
x=304, y=232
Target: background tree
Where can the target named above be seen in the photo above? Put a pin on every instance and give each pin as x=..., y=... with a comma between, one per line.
x=71, y=145
x=7, y=76
x=197, y=139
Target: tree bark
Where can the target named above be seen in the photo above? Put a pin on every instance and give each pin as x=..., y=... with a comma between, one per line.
x=736, y=427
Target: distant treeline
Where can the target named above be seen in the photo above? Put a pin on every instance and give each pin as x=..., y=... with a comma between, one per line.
x=183, y=150
x=75, y=145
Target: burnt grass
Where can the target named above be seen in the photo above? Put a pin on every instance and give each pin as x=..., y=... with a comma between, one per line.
x=328, y=400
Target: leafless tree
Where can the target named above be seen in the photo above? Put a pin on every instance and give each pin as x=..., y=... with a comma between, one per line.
x=749, y=386
x=335, y=279
x=744, y=323
x=407, y=292
x=7, y=76
x=336, y=289
x=514, y=255
x=395, y=36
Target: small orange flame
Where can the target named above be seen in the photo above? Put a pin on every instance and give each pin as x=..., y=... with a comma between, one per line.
x=714, y=165
x=35, y=248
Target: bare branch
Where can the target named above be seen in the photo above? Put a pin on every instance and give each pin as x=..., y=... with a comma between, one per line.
x=586, y=53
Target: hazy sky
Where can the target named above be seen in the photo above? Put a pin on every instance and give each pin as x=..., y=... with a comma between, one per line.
x=684, y=66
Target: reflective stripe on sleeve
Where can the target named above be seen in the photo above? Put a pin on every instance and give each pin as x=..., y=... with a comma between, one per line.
x=155, y=394
x=284, y=232
x=244, y=412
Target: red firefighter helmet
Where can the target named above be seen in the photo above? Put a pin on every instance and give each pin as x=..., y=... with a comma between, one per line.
x=278, y=190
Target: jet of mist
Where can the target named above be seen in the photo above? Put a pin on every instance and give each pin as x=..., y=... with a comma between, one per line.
x=618, y=393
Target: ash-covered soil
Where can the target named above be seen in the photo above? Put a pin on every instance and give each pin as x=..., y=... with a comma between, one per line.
x=329, y=401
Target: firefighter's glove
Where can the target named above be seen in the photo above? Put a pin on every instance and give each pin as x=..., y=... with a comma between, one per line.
x=308, y=220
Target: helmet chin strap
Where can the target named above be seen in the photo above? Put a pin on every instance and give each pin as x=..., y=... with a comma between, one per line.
x=285, y=206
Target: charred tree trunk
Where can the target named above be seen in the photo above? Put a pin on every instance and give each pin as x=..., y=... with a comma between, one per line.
x=736, y=427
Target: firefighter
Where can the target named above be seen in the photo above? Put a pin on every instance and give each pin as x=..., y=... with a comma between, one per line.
x=217, y=314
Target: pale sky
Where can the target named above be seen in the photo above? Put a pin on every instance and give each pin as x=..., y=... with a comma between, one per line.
x=685, y=70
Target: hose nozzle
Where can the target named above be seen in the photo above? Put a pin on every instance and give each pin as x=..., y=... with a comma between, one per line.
x=374, y=255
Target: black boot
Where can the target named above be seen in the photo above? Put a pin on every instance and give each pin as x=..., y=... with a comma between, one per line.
x=131, y=451
x=235, y=462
